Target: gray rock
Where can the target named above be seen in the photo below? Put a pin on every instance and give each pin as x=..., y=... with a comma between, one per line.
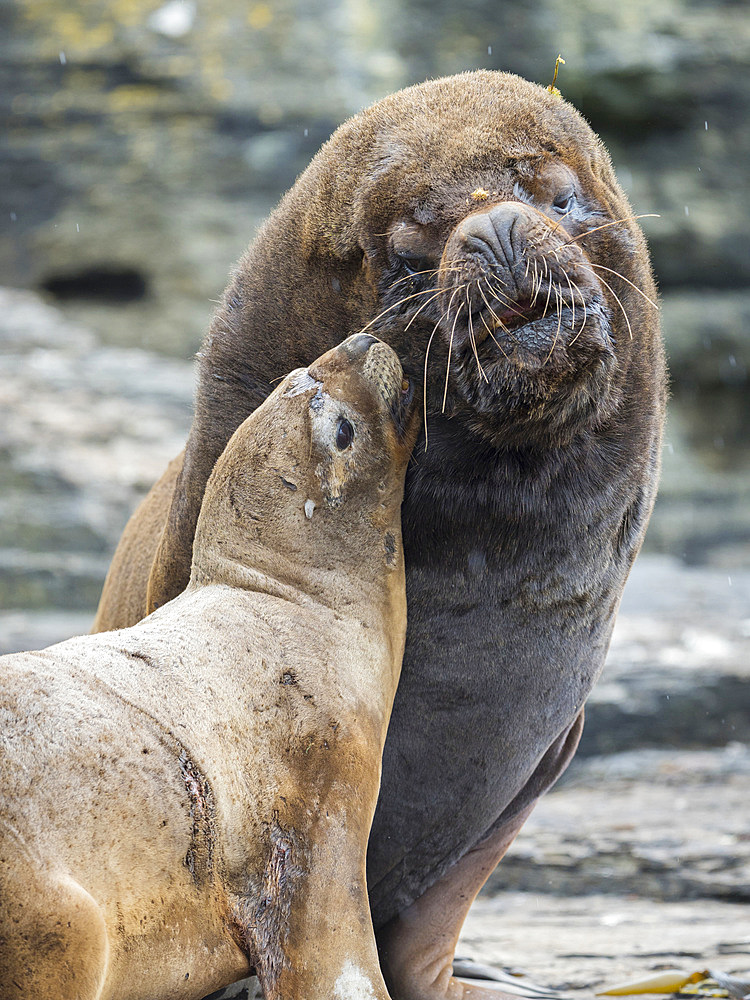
x=86, y=430
x=662, y=824
x=678, y=670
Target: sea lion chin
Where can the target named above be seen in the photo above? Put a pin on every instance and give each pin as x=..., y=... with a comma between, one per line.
x=476, y=225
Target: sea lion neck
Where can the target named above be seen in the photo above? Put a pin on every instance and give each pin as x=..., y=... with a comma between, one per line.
x=339, y=562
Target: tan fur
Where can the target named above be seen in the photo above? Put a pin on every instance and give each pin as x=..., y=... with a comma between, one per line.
x=190, y=799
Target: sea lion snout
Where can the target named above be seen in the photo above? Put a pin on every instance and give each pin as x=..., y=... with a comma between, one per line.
x=379, y=367
x=359, y=344
x=498, y=235
x=518, y=267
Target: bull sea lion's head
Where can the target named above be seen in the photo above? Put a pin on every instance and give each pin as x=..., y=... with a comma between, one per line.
x=480, y=214
x=475, y=224
x=312, y=481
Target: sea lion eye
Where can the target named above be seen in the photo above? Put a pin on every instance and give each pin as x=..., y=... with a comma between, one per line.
x=564, y=200
x=344, y=434
x=413, y=265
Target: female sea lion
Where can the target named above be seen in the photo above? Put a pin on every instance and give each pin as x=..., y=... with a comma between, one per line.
x=476, y=224
x=189, y=799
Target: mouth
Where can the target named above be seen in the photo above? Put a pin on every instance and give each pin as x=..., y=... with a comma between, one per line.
x=513, y=316
x=547, y=329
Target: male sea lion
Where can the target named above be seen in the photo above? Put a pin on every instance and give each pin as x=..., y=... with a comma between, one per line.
x=476, y=224
x=189, y=799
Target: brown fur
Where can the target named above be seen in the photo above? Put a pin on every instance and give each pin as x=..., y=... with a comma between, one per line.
x=523, y=514
x=123, y=600
x=189, y=799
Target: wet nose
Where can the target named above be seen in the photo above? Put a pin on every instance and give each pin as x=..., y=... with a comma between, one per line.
x=359, y=344
x=496, y=234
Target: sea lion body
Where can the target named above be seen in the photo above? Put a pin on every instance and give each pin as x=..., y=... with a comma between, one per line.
x=189, y=799
x=475, y=224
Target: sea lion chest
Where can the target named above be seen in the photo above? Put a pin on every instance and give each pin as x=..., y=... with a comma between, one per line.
x=513, y=581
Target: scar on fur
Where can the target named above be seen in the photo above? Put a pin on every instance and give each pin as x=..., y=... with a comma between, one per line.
x=551, y=87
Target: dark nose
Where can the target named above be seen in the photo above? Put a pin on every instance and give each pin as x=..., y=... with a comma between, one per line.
x=496, y=235
x=359, y=344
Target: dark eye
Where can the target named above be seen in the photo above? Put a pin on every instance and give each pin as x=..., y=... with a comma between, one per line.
x=565, y=200
x=344, y=434
x=413, y=265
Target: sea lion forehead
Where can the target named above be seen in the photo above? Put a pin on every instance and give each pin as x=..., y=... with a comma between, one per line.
x=433, y=145
x=475, y=117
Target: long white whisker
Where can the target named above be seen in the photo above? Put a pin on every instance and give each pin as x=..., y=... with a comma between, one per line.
x=607, y=225
x=622, y=307
x=424, y=395
x=626, y=280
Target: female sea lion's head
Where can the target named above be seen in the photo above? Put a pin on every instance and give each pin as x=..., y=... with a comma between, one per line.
x=362, y=420
x=316, y=473
x=480, y=214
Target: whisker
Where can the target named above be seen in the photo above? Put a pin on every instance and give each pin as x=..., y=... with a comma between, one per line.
x=557, y=224
x=572, y=299
x=497, y=342
x=502, y=297
x=448, y=365
x=492, y=311
x=423, y=306
x=559, y=326
x=583, y=324
x=622, y=307
x=607, y=225
x=546, y=304
x=626, y=280
x=473, y=339
x=538, y=283
x=434, y=272
x=450, y=346
x=407, y=298
x=424, y=394
x=506, y=330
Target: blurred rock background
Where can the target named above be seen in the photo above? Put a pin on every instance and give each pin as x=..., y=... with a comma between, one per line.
x=141, y=144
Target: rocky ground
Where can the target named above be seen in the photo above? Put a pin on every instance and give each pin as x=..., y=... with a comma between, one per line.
x=639, y=860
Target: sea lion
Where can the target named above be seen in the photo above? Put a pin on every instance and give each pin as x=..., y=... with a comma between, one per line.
x=189, y=799
x=474, y=223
